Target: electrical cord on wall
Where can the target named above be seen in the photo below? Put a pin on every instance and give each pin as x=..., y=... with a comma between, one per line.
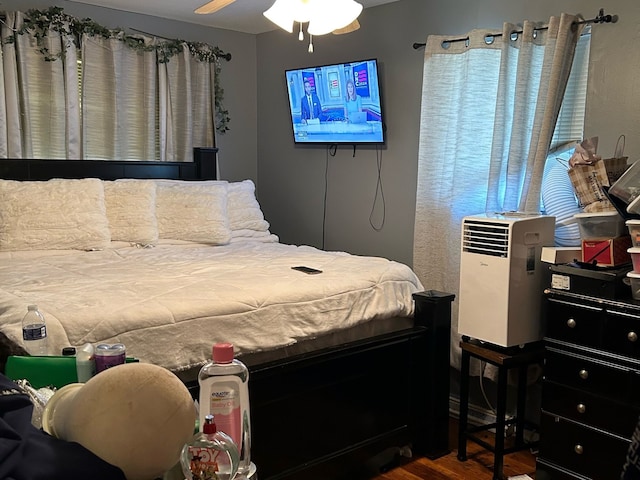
x=379, y=191
x=331, y=150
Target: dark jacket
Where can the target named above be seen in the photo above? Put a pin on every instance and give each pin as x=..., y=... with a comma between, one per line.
x=305, y=111
x=27, y=453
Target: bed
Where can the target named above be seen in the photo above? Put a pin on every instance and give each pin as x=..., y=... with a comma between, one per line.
x=344, y=365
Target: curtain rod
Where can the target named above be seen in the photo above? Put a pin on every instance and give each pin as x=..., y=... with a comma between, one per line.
x=600, y=18
x=226, y=56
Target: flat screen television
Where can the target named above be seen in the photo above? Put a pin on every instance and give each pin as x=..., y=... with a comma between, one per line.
x=334, y=104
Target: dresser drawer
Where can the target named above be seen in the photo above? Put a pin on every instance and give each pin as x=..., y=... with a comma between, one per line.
x=602, y=378
x=549, y=471
x=574, y=323
x=622, y=334
x=581, y=449
x=590, y=409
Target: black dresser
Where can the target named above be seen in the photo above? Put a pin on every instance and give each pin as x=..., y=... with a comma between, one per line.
x=591, y=386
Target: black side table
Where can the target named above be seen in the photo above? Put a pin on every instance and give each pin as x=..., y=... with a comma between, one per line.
x=504, y=359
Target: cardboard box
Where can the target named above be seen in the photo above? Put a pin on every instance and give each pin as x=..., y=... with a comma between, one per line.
x=607, y=252
x=558, y=255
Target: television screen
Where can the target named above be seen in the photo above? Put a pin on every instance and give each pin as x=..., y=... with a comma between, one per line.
x=339, y=103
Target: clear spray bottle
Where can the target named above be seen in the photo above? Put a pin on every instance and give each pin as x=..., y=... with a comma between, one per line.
x=210, y=455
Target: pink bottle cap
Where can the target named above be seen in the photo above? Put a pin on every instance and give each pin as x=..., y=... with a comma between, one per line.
x=223, y=353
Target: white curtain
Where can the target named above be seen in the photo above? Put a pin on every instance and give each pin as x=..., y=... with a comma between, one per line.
x=489, y=107
x=204, y=103
x=39, y=111
x=187, y=103
x=119, y=98
x=109, y=99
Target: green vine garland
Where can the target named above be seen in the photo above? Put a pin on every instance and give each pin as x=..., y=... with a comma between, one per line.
x=39, y=22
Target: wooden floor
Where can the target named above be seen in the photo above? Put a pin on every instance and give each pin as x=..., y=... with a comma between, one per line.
x=479, y=464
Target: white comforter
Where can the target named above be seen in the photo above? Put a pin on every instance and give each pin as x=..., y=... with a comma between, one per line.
x=169, y=304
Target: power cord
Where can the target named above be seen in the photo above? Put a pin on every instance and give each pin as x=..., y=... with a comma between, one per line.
x=510, y=430
x=379, y=191
x=483, y=366
x=331, y=150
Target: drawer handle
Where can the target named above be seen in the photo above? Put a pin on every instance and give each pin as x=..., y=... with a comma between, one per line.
x=578, y=449
x=581, y=408
x=571, y=323
x=632, y=336
x=584, y=374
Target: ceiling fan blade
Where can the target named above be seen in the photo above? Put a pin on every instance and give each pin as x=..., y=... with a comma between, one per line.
x=213, y=6
x=352, y=27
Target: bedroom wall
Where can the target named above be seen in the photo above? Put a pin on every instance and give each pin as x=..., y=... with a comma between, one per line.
x=238, y=147
x=292, y=179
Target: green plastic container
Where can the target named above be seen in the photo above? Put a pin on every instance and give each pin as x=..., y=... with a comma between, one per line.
x=45, y=371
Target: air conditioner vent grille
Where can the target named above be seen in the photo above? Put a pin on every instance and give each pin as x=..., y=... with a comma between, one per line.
x=485, y=238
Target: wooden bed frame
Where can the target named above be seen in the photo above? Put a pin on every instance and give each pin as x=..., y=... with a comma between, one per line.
x=328, y=413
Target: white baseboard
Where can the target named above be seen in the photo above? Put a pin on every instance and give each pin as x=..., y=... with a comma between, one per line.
x=483, y=416
x=477, y=415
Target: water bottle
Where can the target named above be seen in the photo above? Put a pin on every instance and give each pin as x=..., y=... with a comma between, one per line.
x=34, y=332
x=224, y=393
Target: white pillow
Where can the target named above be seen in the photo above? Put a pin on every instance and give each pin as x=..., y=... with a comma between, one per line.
x=253, y=236
x=131, y=211
x=192, y=211
x=58, y=214
x=243, y=208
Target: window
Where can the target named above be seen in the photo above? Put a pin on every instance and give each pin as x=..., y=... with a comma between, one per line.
x=558, y=197
x=570, y=124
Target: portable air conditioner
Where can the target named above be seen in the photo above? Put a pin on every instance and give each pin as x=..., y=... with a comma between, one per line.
x=501, y=277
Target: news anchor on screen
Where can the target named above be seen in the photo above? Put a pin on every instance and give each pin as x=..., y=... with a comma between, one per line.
x=353, y=101
x=310, y=104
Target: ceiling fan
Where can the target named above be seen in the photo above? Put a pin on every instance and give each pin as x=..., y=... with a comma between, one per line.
x=215, y=5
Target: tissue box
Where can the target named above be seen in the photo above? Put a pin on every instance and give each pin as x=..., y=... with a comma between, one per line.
x=607, y=252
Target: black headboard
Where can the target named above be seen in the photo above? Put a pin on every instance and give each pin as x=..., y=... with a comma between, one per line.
x=203, y=167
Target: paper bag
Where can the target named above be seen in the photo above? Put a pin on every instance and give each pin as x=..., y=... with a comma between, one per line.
x=588, y=180
x=589, y=173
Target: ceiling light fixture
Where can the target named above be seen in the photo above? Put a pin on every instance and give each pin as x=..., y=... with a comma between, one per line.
x=323, y=16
